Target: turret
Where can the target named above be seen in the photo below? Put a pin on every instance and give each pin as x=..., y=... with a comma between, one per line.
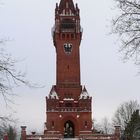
x=67, y=20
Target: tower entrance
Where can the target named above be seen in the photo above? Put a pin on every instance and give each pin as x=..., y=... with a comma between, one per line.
x=69, y=129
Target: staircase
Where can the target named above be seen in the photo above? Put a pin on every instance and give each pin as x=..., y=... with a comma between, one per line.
x=70, y=139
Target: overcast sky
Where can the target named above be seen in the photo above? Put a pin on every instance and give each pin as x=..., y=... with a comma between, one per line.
x=28, y=23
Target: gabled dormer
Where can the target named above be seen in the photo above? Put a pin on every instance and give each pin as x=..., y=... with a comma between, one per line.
x=53, y=94
x=84, y=94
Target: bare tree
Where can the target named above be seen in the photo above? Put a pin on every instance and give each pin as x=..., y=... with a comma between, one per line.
x=7, y=126
x=124, y=112
x=96, y=126
x=127, y=26
x=106, y=126
x=9, y=76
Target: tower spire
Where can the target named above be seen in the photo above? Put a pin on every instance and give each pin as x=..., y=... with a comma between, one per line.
x=66, y=4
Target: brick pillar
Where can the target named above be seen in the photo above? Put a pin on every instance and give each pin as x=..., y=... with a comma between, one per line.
x=23, y=132
x=117, y=132
x=5, y=137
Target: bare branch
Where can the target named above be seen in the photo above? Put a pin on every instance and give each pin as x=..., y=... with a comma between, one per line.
x=127, y=26
x=10, y=77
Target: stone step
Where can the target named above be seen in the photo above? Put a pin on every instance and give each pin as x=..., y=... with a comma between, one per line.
x=70, y=139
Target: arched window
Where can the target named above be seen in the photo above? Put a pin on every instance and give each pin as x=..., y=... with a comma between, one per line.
x=68, y=25
x=52, y=124
x=63, y=36
x=85, y=124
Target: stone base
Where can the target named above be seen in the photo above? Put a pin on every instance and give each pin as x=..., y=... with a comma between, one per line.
x=84, y=135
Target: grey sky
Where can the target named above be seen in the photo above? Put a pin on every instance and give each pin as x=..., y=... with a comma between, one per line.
x=108, y=80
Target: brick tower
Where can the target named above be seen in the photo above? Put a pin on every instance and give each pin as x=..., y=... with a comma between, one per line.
x=68, y=104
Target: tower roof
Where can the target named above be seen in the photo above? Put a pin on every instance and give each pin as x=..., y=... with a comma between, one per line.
x=66, y=4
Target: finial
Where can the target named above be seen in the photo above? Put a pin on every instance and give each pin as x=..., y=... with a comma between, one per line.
x=56, y=5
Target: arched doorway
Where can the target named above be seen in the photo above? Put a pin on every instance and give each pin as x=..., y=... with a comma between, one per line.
x=68, y=129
